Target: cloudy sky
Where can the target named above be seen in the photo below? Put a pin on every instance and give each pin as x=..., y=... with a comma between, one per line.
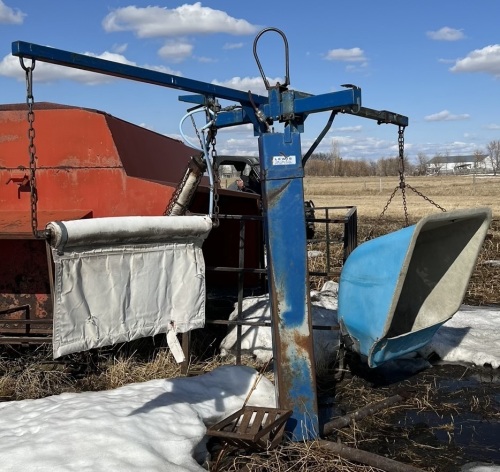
x=436, y=62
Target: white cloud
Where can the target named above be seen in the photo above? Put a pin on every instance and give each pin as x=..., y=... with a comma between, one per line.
x=10, y=15
x=245, y=130
x=175, y=51
x=346, y=55
x=44, y=72
x=371, y=142
x=205, y=60
x=445, y=115
x=120, y=48
x=356, y=68
x=446, y=34
x=233, y=45
x=240, y=147
x=454, y=148
x=493, y=126
x=153, y=21
x=485, y=60
x=349, y=129
x=254, y=84
x=162, y=69
x=446, y=61
x=345, y=141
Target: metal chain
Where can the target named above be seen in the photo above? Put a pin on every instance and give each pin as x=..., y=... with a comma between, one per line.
x=215, y=170
x=175, y=196
x=196, y=131
x=420, y=194
x=402, y=183
x=388, y=202
x=31, y=147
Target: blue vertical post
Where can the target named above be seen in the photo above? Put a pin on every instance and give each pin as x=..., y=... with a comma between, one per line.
x=283, y=199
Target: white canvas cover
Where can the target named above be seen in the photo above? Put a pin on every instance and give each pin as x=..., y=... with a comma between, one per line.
x=123, y=278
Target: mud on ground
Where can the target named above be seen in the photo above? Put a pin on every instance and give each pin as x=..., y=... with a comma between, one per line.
x=450, y=416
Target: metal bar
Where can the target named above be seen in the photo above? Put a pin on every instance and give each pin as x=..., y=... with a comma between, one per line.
x=25, y=339
x=25, y=321
x=126, y=71
x=237, y=269
x=381, y=116
x=225, y=216
x=329, y=101
x=8, y=311
x=186, y=349
x=265, y=324
x=328, y=241
x=241, y=264
x=350, y=233
x=50, y=269
x=239, y=322
x=332, y=273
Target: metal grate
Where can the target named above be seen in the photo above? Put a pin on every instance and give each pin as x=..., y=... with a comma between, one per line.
x=252, y=427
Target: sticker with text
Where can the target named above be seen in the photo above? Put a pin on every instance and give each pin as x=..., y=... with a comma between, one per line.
x=284, y=160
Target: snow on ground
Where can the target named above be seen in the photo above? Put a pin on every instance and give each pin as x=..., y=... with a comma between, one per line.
x=160, y=425
x=469, y=337
x=480, y=467
x=155, y=426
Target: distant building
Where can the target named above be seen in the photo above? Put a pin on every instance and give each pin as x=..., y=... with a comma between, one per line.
x=226, y=171
x=459, y=164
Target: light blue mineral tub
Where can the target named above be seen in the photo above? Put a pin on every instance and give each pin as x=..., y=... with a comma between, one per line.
x=395, y=291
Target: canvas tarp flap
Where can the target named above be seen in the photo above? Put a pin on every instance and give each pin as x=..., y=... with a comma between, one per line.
x=119, y=279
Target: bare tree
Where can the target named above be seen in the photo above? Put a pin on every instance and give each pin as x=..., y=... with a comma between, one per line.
x=478, y=158
x=494, y=155
x=438, y=163
x=338, y=168
x=421, y=167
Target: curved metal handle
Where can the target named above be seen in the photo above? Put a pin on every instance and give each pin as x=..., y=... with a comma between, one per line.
x=285, y=41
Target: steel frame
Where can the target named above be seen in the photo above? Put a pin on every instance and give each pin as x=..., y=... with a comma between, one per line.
x=282, y=195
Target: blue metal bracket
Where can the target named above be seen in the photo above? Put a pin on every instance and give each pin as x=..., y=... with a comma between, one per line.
x=282, y=195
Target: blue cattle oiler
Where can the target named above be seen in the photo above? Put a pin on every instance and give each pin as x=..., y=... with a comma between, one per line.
x=288, y=280
x=395, y=291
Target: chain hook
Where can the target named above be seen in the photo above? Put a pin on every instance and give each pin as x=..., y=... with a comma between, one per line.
x=29, y=78
x=25, y=67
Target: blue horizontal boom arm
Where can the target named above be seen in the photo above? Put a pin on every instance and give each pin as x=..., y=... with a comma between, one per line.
x=126, y=71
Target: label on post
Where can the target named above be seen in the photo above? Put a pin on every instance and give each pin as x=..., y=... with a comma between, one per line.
x=284, y=160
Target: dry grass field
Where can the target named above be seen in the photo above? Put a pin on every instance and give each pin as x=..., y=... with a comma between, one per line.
x=370, y=194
